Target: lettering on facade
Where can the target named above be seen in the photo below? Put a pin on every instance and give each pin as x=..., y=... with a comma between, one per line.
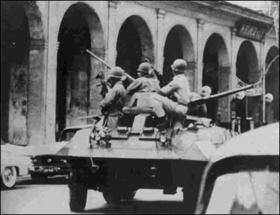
x=250, y=30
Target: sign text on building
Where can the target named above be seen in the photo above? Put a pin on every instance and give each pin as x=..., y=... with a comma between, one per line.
x=250, y=30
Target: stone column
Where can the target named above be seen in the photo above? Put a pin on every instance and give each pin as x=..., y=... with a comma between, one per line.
x=262, y=67
x=111, y=53
x=35, y=91
x=160, y=40
x=53, y=45
x=233, y=79
x=191, y=70
x=199, y=57
x=224, y=103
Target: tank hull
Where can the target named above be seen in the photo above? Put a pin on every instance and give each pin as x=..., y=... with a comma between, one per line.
x=196, y=145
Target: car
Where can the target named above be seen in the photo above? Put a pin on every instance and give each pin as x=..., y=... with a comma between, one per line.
x=15, y=162
x=45, y=166
x=242, y=177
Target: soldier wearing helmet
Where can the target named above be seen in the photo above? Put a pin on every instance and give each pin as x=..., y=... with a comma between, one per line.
x=199, y=109
x=205, y=91
x=146, y=81
x=112, y=104
x=178, y=88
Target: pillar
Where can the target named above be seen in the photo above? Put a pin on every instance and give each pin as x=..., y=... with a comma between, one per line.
x=37, y=71
x=160, y=40
x=233, y=79
x=112, y=33
x=199, y=57
x=191, y=70
x=262, y=66
x=53, y=45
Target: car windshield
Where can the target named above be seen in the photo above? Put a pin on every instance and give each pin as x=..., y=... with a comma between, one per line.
x=67, y=134
x=254, y=192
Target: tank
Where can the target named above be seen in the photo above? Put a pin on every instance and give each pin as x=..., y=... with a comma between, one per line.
x=137, y=154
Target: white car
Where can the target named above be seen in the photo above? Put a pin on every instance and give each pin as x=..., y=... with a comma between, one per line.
x=243, y=176
x=15, y=162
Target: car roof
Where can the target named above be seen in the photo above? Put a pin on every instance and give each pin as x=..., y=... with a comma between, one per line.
x=260, y=141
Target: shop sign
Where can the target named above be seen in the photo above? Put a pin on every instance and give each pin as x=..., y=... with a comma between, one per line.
x=250, y=30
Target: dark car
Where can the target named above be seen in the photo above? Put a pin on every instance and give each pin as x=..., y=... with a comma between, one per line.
x=243, y=176
x=45, y=166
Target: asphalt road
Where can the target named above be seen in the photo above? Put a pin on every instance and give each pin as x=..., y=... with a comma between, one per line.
x=53, y=197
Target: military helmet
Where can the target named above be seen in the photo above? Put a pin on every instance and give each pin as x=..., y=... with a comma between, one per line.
x=145, y=68
x=240, y=95
x=116, y=72
x=268, y=97
x=205, y=91
x=179, y=65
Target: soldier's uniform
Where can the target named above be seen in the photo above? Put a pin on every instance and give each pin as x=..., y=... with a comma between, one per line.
x=144, y=85
x=197, y=109
x=147, y=82
x=112, y=104
x=179, y=88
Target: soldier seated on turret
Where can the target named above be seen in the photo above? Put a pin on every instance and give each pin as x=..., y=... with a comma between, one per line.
x=146, y=82
x=139, y=92
x=112, y=104
x=200, y=109
x=178, y=88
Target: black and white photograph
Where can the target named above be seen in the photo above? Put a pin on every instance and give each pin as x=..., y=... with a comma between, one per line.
x=139, y=107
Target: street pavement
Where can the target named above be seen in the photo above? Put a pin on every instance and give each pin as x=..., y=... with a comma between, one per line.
x=52, y=198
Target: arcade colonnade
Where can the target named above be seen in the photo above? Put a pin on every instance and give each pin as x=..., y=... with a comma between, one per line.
x=52, y=83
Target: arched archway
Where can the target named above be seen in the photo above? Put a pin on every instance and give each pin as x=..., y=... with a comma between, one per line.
x=247, y=71
x=80, y=29
x=216, y=73
x=178, y=45
x=134, y=44
x=21, y=72
x=272, y=84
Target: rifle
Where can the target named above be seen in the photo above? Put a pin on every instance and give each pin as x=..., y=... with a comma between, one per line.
x=161, y=78
x=107, y=65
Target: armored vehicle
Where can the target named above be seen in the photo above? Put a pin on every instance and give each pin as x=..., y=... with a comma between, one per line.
x=137, y=154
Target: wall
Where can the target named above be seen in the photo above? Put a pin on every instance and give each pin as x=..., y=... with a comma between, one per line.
x=44, y=22
x=200, y=24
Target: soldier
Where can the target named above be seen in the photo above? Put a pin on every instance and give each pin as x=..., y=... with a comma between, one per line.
x=156, y=74
x=199, y=109
x=178, y=88
x=112, y=104
x=146, y=81
x=205, y=91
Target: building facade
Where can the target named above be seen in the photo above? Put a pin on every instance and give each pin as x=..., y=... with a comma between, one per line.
x=48, y=81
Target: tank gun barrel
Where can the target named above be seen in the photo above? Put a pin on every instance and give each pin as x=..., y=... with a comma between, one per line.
x=106, y=64
x=220, y=95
